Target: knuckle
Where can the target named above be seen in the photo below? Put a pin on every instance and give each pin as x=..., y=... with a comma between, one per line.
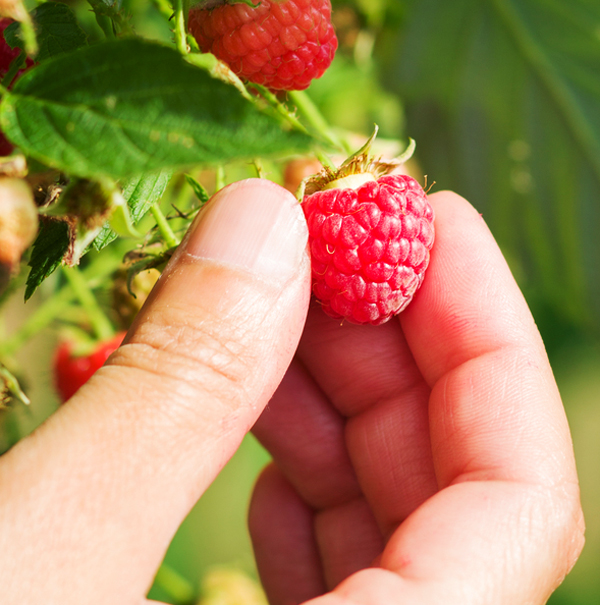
x=211, y=358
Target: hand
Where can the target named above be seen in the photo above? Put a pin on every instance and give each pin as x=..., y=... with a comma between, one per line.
x=426, y=461
x=91, y=500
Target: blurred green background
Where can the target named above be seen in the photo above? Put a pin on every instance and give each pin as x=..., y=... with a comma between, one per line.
x=503, y=99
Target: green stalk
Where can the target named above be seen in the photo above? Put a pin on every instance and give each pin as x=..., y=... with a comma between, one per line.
x=163, y=226
x=106, y=25
x=28, y=35
x=52, y=308
x=102, y=327
x=281, y=109
x=315, y=118
x=181, y=8
x=260, y=170
x=220, y=178
x=164, y=7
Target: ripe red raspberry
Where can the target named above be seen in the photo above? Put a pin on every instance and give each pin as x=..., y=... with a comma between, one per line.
x=72, y=371
x=282, y=44
x=370, y=240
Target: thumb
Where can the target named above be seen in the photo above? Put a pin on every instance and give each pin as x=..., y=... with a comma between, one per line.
x=117, y=469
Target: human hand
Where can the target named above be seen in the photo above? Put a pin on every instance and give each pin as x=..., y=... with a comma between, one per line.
x=90, y=502
x=425, y=461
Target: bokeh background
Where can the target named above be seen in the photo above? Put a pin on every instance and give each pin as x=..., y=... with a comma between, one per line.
x=503, y=99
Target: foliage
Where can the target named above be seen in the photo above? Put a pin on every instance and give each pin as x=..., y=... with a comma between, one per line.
x=503, y=97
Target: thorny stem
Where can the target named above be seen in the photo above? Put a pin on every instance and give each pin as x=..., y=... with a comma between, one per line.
x=101, y=325
x=163, y=226
x=281, y=109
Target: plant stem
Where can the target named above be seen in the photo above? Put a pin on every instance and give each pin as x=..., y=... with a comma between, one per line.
x=101, y=325
x=315, y=118
x=163, y=226
x=281, y=109
x=220, y=178
x=28, y=35
x=178, y=587
x=106, y=25
x=181, y=8
x=164, y=8
x=48, y=311
x=260, y=170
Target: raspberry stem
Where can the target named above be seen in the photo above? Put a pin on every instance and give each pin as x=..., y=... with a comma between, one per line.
x=181, y=8
x=163, y=226
x=220, y=178
x=315, y=119
x=51, y=308
x=101, y=325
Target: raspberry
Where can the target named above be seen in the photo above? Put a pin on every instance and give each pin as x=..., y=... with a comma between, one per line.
x=281, y=44
x=72, y=371
x=370, y=240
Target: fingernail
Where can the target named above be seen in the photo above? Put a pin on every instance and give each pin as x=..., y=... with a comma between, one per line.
x=253, y=224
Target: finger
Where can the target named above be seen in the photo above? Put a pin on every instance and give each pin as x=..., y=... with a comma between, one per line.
x=507, y=526
x=305, y=436
x=282, y=529
x=369, y=375
x=110, y=477
x=349, y=539
x=495, y=411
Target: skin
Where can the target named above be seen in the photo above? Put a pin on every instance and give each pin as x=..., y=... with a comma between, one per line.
x=424, y=461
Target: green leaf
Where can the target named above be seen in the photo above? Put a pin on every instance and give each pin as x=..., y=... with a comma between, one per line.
x=57, y=31
x=49, y=248
x=125, y=107
x=503, y=98
x=140, y=193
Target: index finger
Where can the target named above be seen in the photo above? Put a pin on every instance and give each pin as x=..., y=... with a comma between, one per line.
x=495, y=411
